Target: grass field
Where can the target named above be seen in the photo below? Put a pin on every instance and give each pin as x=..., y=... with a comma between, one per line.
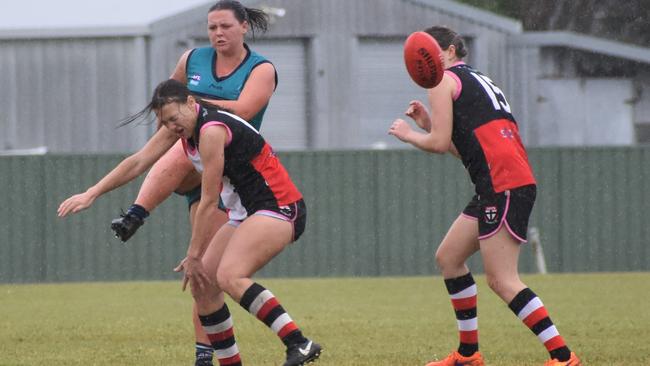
x=359, y=321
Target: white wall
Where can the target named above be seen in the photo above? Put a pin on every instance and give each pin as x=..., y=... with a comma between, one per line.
x=574, y=112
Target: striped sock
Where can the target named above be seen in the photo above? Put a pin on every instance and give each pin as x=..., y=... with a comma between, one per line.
x=530, y=310
x=203, y=352
x=462, y=291
x=219, y=328
x=264, y=306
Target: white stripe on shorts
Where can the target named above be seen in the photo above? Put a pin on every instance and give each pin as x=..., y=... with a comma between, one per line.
x=272, y=214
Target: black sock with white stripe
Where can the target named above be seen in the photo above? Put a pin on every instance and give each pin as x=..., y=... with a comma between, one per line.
x=463, y=293
x=532, y=312
x=219, y=328
x=260, y=302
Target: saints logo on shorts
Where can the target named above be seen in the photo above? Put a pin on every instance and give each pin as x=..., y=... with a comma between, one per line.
x=491, y=215
x=287, y=211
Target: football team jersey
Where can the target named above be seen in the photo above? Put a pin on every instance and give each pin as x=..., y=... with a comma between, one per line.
x=253, y=177
x=203, y=81
x=486, y=134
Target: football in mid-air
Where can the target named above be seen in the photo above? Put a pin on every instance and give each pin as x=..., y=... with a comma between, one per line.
x=422, y=56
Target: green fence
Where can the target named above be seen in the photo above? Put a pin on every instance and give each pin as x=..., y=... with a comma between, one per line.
x=370, y=213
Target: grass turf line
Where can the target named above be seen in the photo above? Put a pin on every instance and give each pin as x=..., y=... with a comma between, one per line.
x=359, y=321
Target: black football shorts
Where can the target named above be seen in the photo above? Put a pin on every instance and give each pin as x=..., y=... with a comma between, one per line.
x=511, y=208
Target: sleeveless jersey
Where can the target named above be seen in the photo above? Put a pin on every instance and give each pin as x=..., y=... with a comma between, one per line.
x=253, y=177
x=486, y=134
x=203, y=81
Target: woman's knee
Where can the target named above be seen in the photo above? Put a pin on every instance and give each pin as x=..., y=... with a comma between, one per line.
x=205, y=295
x=445, y=259
x=504, y=285
x=441, y=258
x=227, y=279
x=494, y=282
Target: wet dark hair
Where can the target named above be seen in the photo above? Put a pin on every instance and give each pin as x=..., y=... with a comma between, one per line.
x=169, y=91
x=447, y=37
x=257, y=18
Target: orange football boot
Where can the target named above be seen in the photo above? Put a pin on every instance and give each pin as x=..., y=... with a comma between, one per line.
x=456, y=359
x=573, y=361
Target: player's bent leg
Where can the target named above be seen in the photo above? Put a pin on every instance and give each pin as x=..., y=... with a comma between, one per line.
x=215, y=325
x=253, y=244
x=164, y=177
x=500, y=254
x=203, y=346
x=459, y=243
x=209, y=298
x=257, y=240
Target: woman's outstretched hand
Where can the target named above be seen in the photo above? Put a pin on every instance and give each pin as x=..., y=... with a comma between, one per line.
x=76, y=203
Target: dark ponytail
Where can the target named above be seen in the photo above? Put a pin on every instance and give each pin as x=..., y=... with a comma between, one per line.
x=257, y=18
x=447, y=37
x=169, y=91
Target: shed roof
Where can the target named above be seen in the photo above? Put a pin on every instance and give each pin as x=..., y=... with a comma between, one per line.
x=473, y=14
x=584, y=43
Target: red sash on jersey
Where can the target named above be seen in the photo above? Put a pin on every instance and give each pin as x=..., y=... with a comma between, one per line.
x=277, y=178
x=505, y=155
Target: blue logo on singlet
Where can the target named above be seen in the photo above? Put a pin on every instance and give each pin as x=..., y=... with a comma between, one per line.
x=195, y=79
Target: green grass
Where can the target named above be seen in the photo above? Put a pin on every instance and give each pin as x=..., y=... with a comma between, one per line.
x=359, y=321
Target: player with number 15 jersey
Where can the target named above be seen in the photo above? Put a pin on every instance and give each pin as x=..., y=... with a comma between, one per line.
x=486, y=134
x=471, y=118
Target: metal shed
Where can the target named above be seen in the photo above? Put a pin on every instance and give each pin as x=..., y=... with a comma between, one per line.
x=341, y=74
x=71, y=69
x=576, y=90
x=342, y=80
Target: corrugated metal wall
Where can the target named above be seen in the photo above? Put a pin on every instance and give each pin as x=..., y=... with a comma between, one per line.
x=591, y=208
x=370, y=213
x=68, y=94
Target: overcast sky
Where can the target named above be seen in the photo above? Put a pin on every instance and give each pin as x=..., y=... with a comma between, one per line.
x=30, y=14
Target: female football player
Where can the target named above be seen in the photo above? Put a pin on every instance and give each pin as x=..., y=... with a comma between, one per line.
x=471, y=118
x=266, y=212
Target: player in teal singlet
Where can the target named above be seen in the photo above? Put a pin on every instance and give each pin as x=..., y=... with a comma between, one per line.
x=202, y=81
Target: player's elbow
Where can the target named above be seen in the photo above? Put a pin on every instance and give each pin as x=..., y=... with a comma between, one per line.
x=438, y=146
x=135, y=164
x=246, y=113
